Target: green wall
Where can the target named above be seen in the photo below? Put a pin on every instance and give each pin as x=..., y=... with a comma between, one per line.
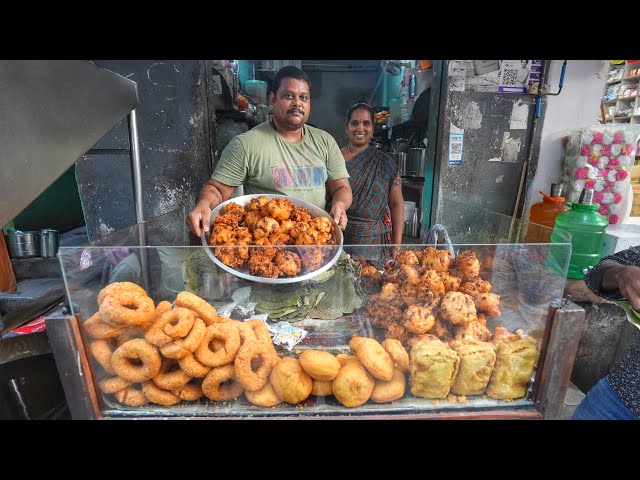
x=57, y=207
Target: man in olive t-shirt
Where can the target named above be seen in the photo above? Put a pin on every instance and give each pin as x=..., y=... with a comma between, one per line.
x=282, y=156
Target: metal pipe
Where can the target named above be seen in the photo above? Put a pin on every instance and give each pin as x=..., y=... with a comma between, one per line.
x=136, y=173
x=136, y=168
x=517, y=209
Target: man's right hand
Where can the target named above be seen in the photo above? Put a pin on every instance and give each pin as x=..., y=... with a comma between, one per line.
x=625, y=278
x=199, y=218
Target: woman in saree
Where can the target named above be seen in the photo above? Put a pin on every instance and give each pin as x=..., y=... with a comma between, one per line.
x=376, y=216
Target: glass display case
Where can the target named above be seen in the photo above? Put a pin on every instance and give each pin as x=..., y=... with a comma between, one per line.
x=466, y=329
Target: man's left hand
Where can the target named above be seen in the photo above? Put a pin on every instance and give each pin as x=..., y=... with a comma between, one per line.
x=339, y=215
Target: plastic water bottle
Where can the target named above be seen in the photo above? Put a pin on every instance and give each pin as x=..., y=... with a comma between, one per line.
x=587, y=228
x=545, y=213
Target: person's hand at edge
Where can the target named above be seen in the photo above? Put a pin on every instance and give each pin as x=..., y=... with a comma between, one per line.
x=199, y=218
x=625, y=278
x=339, y=214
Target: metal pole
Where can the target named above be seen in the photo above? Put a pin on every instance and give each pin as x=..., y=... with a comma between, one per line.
x=136, y=173
x=135, y=166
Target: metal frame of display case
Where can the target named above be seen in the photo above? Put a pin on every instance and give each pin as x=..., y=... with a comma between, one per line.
x=565, y=326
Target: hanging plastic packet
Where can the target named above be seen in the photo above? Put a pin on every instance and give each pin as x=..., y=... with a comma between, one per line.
x=437, y=235
x=240, y=303
x=287, y=335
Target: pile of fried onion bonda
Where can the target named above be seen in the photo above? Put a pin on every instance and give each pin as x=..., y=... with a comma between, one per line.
x=163, y=354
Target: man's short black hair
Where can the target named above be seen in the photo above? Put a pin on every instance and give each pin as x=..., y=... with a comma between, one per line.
x=288, y=72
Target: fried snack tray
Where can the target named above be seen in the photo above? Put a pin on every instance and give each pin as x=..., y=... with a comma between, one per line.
x=314, y=211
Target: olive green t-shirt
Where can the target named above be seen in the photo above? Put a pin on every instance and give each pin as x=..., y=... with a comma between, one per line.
x=264, y=162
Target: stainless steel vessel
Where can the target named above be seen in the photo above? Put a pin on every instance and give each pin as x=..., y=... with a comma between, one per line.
x=335, y=250
x=414, y=163
x=23, y=244
x=49, y=240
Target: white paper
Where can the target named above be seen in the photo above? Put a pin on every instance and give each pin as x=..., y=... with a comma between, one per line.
x=519, y=116
x=457, y=75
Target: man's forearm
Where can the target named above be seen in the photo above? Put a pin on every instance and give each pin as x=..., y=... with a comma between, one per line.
x=211, y=195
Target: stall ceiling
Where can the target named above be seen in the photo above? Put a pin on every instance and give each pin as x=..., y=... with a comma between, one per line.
x=51, y=113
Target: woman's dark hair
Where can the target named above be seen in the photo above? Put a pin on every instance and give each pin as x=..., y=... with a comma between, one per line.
x=357, y=106
x=288, y=72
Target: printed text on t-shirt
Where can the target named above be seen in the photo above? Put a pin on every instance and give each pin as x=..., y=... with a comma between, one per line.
x=299, y=177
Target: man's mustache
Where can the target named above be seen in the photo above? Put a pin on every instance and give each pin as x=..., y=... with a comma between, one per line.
x=295, y=110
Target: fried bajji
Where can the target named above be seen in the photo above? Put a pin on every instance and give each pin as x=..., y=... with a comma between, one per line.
x=451, y=282
x=228, y=220
x=223, y=234
x=436, y=259
x=243, y=236
x=264, y=251
x=466, y=266
x=476, y=329
x=516, y=357
x=431, y=281
x=260, y=266
x=286, y=226
x=382, y=314
x=300, y=214
x=390, y=293
x=279, y=208
x=414, y=294
x=251, y=219
x=280, y=239
x=321, y=224
x=255, y=204
x=265, y=227
x=308, y=237
x=312, y=258
x=288, y=263
x=233, y=257
x=370, y=275
x=475, y=287
x=477, y=360
x=488, y=303
x=433, y=366
x=235, y=210
x=407, y=257
x=418, y=319
x=457, y=308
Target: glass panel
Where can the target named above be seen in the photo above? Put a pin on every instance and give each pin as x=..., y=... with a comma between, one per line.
x=407, y=302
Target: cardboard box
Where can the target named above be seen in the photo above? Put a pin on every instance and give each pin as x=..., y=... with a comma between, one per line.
x=620, y=237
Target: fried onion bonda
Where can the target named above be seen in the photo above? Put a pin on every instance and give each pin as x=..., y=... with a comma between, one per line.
x=288, y=263
x=419, y=319
x=255, y=204
x=436, y=259
x=252, y=219
x=466, y=266
x=261, y=267
x=266, y=251
x=312, y=258
x=488, y=303
x=278, y=208
x=457, y=308
x=233, y=257
x=228, y=220
x=265, y=227
x=300, y=214
x=407, y=257
x=475, y=287
x=286, y=226
x=235, y=210
x=321, y=224
x=223, y=234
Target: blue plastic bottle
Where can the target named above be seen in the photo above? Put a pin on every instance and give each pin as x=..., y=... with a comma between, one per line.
x=587, y=228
